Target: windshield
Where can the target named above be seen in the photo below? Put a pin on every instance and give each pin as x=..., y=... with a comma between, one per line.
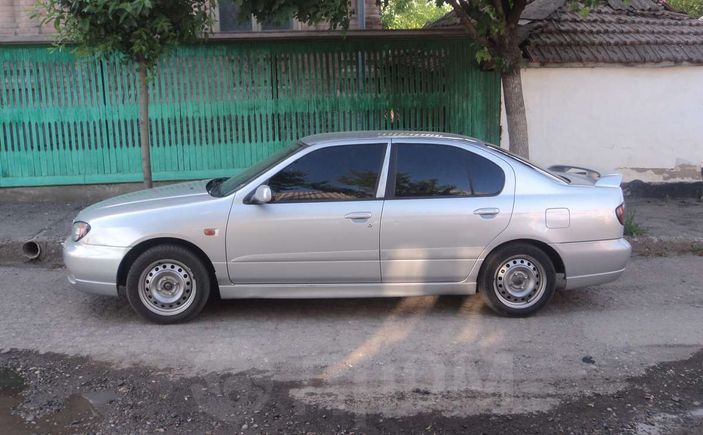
x=527, y=163
x=225, y=186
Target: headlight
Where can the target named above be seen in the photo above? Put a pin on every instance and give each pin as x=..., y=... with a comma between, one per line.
x=80, y=229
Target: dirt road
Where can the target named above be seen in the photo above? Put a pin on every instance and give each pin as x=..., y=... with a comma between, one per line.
x=420, y=364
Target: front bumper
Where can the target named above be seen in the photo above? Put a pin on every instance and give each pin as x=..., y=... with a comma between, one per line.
x=593, y=263
x=93, y=269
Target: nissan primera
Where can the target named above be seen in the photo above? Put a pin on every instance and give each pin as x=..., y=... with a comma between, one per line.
x=364, y=214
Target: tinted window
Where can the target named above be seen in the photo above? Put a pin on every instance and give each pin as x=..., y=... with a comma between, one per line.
x=274, y=25
x=335, y=173
x=441, y=170
x=486, y=177
x=230, y=19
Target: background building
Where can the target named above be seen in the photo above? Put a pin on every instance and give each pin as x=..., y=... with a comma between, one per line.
x=16, y=21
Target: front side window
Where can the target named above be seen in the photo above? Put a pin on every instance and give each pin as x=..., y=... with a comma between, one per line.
x=338, y=173
x=424, y=171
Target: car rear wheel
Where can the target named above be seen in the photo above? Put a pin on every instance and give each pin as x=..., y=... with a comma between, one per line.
x=517, y=280
x=168, y=284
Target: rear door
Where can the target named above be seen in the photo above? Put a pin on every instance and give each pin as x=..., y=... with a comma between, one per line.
x=444, y=204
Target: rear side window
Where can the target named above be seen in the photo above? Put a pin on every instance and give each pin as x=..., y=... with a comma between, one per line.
x=487, y=178
x=338, y=173
x=425, y=171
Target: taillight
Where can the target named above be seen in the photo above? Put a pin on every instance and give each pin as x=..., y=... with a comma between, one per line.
x=620, y=213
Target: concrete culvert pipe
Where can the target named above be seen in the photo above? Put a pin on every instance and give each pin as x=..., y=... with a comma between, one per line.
x=31, y=250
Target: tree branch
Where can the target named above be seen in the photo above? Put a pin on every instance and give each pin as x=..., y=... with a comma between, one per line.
x=514, y=15
x=468, y=23
x=506, y=6
x=498, y=6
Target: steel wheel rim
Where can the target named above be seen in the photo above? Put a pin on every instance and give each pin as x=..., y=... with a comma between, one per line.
x=520, y=281
x=167, y=287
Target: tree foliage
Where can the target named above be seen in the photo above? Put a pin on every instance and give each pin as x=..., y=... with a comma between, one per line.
x=694, y=8
x=140, y=30
x=410, y=14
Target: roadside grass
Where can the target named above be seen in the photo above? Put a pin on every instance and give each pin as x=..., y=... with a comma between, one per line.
x=697, y=249
x=632, y=228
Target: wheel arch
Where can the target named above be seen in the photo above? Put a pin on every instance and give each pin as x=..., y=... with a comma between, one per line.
x=553, y=255
x=141, y=247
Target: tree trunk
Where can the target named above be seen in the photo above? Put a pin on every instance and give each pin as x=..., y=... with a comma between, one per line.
x=515, y=111
x=144, y=124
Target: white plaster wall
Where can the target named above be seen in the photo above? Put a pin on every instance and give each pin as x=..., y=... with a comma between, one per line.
x=645, y=122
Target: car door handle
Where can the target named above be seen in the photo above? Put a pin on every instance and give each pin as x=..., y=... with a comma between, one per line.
x=358, y=215
x=486, y=212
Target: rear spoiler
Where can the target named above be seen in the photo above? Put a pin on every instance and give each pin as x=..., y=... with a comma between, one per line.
x=610, y=180
x=590, y=173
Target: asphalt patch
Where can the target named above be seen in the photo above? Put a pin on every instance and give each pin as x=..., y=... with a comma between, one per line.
x=666, y=399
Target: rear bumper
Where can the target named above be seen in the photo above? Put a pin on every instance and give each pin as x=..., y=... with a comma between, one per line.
x=593, y=263
x=93, y=269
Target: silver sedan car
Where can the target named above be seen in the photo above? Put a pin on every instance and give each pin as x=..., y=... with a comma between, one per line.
x=363, y=214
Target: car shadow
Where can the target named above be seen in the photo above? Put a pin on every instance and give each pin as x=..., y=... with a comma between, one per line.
x=342, y=309
x=564, y=301
x=581, y=300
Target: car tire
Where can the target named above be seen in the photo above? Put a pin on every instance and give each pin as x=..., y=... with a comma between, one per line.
x=517, y=280
x=168, y=284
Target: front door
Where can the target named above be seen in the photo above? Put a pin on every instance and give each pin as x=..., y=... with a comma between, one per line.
x=322, y=225
x=444, y=204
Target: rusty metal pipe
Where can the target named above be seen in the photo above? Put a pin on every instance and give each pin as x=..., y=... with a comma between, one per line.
x=31, y=249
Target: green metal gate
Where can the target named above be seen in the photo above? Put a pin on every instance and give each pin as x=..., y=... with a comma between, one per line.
x=219, y=107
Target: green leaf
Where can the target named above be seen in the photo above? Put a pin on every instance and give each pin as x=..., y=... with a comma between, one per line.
x=140, y=30
x=410, y=14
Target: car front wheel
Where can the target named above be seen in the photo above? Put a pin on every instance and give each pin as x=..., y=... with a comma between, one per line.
x=517, y=280
x=168, y=284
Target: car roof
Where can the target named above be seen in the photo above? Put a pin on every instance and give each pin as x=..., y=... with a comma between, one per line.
x=383, y=135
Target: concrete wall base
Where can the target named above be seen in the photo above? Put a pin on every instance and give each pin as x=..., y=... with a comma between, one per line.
x=640, y=189
x=87, y=193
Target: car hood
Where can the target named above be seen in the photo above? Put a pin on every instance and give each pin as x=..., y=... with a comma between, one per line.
x=164, y=196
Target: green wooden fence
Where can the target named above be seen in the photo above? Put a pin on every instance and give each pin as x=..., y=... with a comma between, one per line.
x=219, y=107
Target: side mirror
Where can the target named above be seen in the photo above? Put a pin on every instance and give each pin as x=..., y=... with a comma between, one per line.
x=262, y=195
